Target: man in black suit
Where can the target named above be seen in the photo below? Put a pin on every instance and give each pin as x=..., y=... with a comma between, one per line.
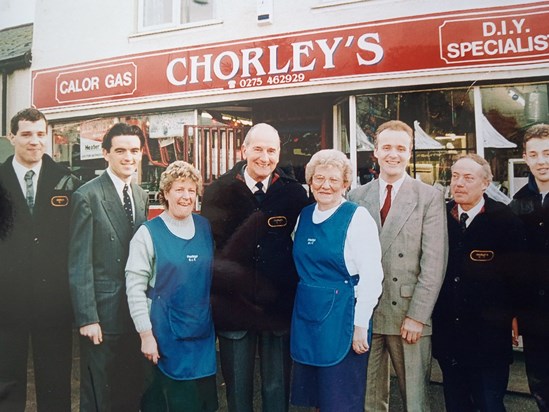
x=106, y=211
x=472, y=320
x=34, y=288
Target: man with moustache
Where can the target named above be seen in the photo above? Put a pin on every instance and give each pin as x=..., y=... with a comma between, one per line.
x=412, y=224
x=531, y=204
x=106, y=212
x=472, y=320
x=34, y=289
x=253, y=209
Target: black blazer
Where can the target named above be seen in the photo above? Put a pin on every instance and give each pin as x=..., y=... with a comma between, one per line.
x=33, y=257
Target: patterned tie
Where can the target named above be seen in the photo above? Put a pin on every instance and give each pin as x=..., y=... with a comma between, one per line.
x=463, y=221
x=259, y=193
x=386, y=205
x=128, y=204
x=30, y=189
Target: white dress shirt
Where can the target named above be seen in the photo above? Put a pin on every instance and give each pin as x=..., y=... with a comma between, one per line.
x=20, y=172
x=119, y=186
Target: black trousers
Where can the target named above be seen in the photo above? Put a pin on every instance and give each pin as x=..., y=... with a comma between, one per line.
x=474, y=388
x=237, y=364
x=111, y=374
x=52, y=358
x=536, y=359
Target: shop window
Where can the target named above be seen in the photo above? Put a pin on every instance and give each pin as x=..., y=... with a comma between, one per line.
x=507, y=111
x=212, y=146
x=165, y=14
x=443, y=122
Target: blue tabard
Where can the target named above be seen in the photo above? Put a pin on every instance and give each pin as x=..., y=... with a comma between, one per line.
x=323, y=317
x=180, y=312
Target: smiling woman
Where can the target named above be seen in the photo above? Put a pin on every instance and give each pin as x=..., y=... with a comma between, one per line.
x=168, y=278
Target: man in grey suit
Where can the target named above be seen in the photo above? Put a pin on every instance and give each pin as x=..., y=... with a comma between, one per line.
x=411, y=218
x=106, y=211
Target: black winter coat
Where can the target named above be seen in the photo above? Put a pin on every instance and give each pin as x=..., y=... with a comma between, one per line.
x=254, y=277
x=472, y=319
x=534, y=290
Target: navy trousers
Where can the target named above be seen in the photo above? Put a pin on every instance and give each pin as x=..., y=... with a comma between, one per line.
x=474, y=388
x=237, y=351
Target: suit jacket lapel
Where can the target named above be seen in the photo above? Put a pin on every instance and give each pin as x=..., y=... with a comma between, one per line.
x=12, y=185
x=404, y=202
x=47, y=179
x=114, y=209
x=371, y=202
x=139, y=203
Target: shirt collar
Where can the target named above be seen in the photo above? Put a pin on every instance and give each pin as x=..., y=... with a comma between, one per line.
x=475, y=210
x=118, y=183
x=396, y=186
x=250, y=182
x=21, y=170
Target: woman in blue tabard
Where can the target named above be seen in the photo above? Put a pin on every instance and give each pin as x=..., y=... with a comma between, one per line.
x=168, y=278
x=338, y=259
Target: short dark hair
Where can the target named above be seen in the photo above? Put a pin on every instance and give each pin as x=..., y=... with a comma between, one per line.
x=122, y=129
x=397, y=126
x=29, y=114
x=537, y=131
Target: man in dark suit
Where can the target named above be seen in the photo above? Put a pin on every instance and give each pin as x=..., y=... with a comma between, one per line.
x=412, y=223
x=253, y=209
x=531, y=204
x=472, y=320
x=106, y=211
x=34, y=288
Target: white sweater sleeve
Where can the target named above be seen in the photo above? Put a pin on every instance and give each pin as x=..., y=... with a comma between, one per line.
x=140, y=273
x=362, y=253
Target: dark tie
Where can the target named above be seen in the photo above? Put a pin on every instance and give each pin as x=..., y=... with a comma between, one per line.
x=545, y=202
x=30, y=189
x=259, y=193
x=128, y=204
x=386, y=205
x=463, y=221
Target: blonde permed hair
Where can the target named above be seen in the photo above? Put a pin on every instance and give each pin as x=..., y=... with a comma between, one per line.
x=178, y=171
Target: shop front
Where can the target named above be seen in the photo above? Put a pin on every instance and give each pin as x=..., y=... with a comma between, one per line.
x=468, y=81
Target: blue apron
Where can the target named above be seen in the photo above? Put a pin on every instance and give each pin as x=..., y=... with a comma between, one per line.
x=323, y=317
x=180, y=312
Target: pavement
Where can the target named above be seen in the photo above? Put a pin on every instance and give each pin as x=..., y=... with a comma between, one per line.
x=517, y=398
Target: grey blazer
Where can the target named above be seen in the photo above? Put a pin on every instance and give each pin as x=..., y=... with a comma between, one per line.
x=414, y=246
x=99, y=244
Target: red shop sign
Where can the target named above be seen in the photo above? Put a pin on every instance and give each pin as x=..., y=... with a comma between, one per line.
x=474, y=38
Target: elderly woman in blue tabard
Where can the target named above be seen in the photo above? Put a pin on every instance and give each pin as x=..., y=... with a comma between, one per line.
x=338, y=258
x=168, y=278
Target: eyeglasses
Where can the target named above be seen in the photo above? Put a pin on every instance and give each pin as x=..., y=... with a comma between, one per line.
x=318, y=180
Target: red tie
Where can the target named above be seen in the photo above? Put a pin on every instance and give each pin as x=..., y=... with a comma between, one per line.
x=386, y=205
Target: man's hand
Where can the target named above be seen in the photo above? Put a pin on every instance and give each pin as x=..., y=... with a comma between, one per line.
x=92, y=331
x=515, y=332
x=411, y=330
x=360, y=340
x=149, y=346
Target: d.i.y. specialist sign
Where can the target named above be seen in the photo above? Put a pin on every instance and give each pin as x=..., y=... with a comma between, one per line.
x=473, y=38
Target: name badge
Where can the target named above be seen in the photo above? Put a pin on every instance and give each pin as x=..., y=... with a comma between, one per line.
x=59, y=201
x=277, y=221
x=482, y=255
